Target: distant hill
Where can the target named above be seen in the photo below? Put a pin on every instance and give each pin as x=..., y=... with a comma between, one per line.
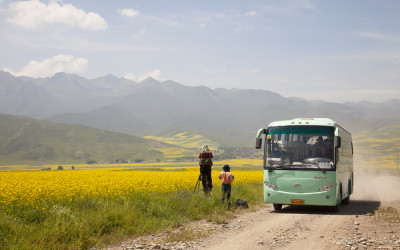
x=186, y=140
x=229, y=117
x=380, y=147
x=30, y=141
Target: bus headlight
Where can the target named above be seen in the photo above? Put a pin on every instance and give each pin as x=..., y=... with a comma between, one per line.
x=270, y=185
x=326, y=187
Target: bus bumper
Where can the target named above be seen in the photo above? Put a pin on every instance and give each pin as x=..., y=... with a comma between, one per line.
x=324, y=198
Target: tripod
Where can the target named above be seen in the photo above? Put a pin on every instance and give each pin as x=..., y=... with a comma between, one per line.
x=198, y=183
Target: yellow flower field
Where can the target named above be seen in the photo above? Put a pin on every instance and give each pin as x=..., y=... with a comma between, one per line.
x=186, y=140
x=34, y=187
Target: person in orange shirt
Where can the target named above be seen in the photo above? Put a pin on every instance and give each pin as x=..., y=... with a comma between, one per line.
x=226, y=178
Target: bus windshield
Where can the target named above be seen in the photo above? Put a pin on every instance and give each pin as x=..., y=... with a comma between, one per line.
x=300, y=147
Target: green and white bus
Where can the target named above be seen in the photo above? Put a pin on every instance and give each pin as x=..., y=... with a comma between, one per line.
x=307, y=161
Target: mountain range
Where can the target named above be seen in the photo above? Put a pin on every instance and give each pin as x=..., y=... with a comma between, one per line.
x=228, y=116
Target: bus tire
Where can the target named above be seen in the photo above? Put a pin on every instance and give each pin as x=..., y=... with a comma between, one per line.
x=346, y=200
x=277, y=206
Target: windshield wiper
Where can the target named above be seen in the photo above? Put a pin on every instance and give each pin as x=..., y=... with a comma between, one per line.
x=277, y=166
x=316, y=164
x=273, y=167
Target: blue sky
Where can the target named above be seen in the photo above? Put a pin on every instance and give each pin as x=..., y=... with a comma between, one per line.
x=318, y=50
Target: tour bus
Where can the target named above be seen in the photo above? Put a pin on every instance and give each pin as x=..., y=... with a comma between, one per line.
x=307, y=161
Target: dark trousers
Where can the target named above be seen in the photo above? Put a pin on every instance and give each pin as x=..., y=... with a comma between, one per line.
x=205, y=172
x=226, y=190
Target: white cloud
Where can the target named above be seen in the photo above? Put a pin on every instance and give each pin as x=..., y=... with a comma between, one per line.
x=287, y=7
x=156, y=74
x=243, y=28
x=140, y=33
x=129, y=12
x=130, y=76
x=32, y=14
x=49, y=66
x=378, y=36
x=373, y=35
x=250, y=13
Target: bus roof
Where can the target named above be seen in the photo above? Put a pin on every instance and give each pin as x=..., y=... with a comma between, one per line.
x=304, y=122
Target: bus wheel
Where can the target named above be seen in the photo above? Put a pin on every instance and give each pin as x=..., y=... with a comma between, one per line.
x=277, y=206
x=346, y=200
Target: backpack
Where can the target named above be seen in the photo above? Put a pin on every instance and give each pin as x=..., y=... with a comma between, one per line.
x=241, y=203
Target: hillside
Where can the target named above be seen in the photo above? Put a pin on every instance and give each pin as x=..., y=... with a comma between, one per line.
x=376, y=148
x=30, y=141
x=186, y=140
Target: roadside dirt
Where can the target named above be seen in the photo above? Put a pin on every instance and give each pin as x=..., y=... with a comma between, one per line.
x=358, y=225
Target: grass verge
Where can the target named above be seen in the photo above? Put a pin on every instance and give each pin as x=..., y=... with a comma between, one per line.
x=87, y=223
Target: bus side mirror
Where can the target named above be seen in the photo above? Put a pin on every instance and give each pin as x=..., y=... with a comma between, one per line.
x=258, y=143
x=338, y=142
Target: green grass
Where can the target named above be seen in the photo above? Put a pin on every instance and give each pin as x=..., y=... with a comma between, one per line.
x=83, y=224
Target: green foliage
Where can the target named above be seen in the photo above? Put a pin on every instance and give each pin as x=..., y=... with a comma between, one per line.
x=83, y=223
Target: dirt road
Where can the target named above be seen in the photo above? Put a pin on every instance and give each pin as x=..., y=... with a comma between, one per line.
x=368, y=222
x=303, y=227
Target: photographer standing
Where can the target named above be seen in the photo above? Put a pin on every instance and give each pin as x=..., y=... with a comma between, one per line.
x=205, y=162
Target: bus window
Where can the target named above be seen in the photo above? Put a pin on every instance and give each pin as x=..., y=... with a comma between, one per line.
x=301, y=147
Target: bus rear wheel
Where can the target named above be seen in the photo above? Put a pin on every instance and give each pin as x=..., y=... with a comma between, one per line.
x=277, y=206
x=346, y=200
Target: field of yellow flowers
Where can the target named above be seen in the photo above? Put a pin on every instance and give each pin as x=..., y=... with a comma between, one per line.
x=98, y=205
x=36, y=187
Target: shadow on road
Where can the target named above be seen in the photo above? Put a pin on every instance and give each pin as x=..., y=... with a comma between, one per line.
x=356, y=207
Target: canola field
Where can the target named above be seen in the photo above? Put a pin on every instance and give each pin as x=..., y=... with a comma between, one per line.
x=33, y=188
x=186, y=140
